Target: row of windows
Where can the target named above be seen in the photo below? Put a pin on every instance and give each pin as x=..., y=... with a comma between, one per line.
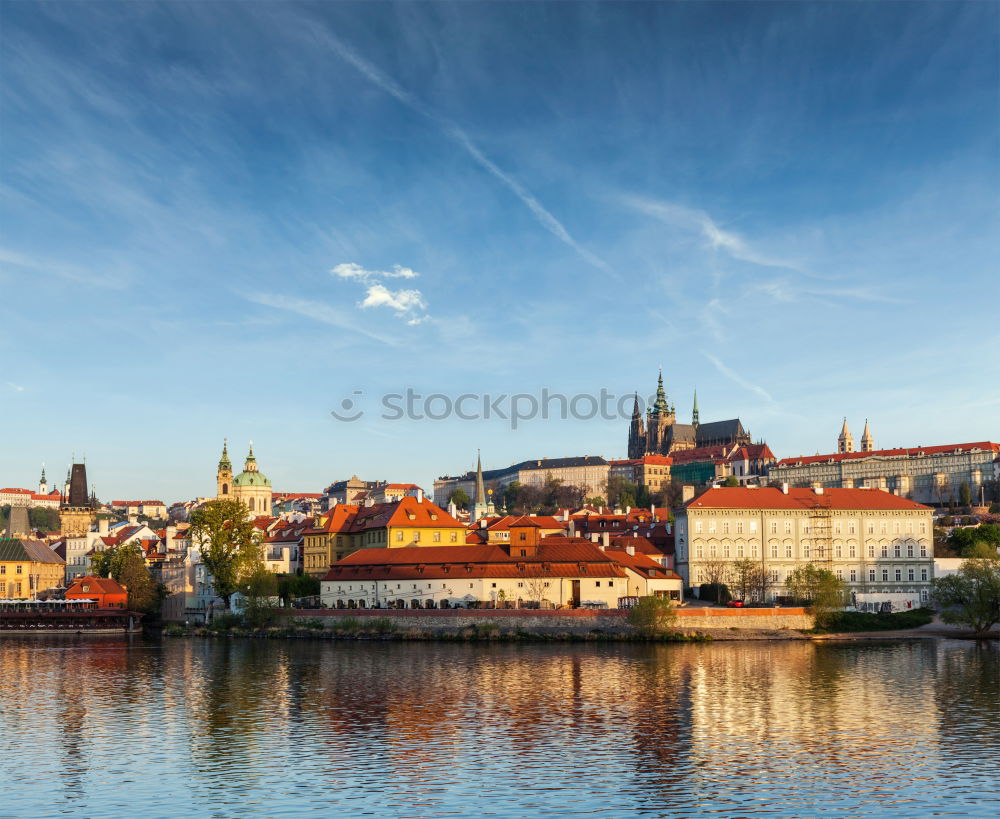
x=776, y=576
x=807, y=550
x=807, y=525
x=18, y=569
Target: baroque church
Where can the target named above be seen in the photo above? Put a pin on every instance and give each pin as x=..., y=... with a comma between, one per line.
x=251, y=486
x=660, y=434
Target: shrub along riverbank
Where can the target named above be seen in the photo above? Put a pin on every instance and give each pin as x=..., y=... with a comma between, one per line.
x=855, y=621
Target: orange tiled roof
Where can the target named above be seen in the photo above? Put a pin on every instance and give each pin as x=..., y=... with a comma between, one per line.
x=772, y=498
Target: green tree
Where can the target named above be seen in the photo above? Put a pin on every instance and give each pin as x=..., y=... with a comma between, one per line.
x=296, y=586
x=964, y=494
x=621, y=492
x=731, y=480
x=821, y=589
x=652, y=615
x=971, y=596
x=745, y=578
x=44, y=518
x=597, y=501
x=460, y=498
x=259, y=588
x=126, y=564
x=963, y=540
x=228, y=542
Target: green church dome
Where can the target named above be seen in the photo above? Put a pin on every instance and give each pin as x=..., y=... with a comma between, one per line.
x=251, y=479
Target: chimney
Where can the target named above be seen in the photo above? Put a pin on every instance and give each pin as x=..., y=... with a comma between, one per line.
x=630, y=550
x=818, y=490
x=420, y=495
x=572, y=528
x=102, y=526
x=784, y=488
x=593, y=537
x=687, y=493
x=482, y=523
x=604, y=539
x=452, y=509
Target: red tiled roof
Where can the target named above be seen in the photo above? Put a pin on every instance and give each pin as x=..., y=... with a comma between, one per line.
x=642, y=564
x=104, y=585
x=752, y=452
x=910, y=452
x=572, y=557
x=772, y=498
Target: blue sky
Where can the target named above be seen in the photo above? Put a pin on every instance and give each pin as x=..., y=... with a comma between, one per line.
x=221, y=219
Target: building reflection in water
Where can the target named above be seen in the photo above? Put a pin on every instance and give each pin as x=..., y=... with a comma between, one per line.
x=425, y=729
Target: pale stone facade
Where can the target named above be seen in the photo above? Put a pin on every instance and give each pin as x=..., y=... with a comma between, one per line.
x=880, y=545
x=931, y=474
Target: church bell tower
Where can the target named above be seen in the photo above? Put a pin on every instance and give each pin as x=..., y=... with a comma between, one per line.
x=224, y=476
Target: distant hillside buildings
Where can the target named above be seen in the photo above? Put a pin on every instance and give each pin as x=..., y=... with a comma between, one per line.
x=931, y=474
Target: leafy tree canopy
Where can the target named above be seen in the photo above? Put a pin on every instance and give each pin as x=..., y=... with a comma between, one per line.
x=971, y=596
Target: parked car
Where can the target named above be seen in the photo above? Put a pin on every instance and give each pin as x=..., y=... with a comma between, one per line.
x=735, y=604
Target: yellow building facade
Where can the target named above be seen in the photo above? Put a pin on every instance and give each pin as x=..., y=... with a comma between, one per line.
x=28, y=567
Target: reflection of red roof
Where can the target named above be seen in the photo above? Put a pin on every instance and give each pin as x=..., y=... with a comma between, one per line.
x=772, y=498
x=912, y=452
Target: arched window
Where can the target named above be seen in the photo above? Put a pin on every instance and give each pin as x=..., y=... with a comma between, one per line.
x=250, y=504
x=225, y=489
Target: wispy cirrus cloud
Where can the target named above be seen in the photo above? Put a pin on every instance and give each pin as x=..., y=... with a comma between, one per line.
x=734, y=376
x=322, y=312
x=717, y=238
x=454, y=132
x=15, y=387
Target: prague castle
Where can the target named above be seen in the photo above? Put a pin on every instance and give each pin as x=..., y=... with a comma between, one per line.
x=660, y=434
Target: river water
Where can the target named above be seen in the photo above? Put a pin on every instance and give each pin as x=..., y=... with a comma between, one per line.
x=121, y=727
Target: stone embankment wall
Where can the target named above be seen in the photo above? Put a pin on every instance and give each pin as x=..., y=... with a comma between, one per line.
x=573, y=621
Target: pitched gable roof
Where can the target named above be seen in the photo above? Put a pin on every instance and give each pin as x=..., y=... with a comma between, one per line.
x=772, y=498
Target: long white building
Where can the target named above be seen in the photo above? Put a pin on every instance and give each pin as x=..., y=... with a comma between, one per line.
x=879, y=544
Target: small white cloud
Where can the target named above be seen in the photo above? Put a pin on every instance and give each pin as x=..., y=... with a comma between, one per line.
x=406, y=303
x=402, y=301
x=350, y=270
x=15, y=387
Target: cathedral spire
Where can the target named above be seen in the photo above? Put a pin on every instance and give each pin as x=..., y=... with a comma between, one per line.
x=694, y=412
x=661, y=395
